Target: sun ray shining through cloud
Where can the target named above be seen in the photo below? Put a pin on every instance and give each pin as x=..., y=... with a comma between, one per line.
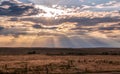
x=64, y=23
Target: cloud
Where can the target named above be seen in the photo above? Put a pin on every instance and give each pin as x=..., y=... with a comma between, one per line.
x=71, y=24
x=69, y=20
x=81, y=0
x=1, y=28
x=111, y=5
x=11, y=8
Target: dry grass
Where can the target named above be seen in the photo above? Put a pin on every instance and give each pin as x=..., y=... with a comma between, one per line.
x=43, y=64
x=59, y=60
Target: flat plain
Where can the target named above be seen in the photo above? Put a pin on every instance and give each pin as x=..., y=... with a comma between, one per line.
x=59, y=61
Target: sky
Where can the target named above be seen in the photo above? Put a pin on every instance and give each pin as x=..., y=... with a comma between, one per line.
x=95, y=5
x=60, y=23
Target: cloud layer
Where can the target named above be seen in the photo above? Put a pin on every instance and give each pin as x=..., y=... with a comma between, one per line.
x=90, y=23
x=10, y=8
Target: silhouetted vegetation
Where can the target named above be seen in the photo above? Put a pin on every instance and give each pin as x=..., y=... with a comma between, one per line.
x=32, y=52
x=60, y=51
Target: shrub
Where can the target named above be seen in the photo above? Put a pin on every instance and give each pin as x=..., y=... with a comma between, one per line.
x=32, y=52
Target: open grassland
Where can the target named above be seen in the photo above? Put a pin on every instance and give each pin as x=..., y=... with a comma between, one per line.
x=42, y=64
x=34, y=62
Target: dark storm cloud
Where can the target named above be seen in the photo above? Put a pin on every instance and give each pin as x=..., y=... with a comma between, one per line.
x=13, y=31
x=9, y=8
x=1, y=28
x=43, y=24
x=90, y=21
x=85, y=21
x=37, y=26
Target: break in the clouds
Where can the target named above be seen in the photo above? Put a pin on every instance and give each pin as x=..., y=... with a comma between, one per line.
x=94, y=5
x=113, y=5
x=84, y=4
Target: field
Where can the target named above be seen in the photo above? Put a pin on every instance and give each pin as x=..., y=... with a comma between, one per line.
x=59, y=61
